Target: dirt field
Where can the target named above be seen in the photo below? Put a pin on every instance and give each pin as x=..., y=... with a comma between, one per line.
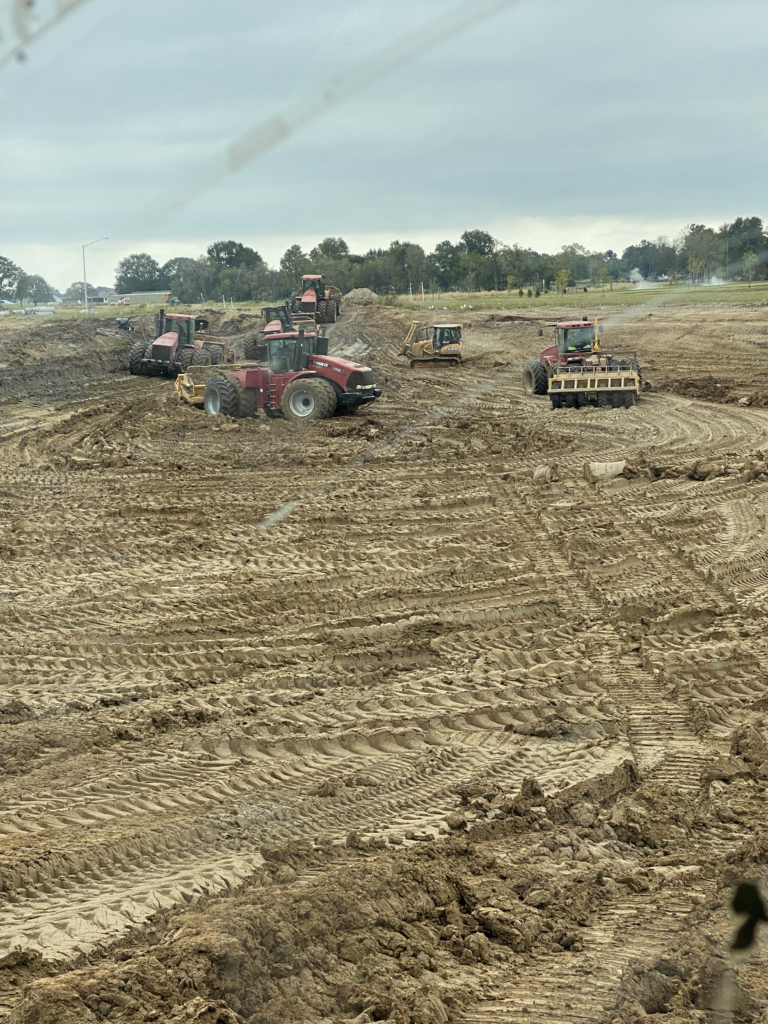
x=439, y=745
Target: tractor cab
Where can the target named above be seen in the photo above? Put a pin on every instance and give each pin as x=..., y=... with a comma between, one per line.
x=277, y=319
x=446, y=335
x=182, y=324
x=574, y=340
x=289, y=352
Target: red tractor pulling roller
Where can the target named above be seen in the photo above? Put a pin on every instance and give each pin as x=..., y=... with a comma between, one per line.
x=576, y=363
x=300, y=380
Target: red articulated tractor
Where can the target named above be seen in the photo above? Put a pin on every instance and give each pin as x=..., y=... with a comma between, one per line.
x=321, y=302
x=574, y=371
x=179, y=343
x=300, y=382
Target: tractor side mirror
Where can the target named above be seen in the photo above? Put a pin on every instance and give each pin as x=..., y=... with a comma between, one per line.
x=541, y=333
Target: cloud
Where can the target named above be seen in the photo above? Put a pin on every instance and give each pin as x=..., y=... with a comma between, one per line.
x=573, y=121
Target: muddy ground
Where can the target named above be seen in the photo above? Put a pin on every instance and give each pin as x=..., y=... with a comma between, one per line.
x=439, y=745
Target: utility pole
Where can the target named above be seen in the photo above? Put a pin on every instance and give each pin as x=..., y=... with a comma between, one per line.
x=85, y=276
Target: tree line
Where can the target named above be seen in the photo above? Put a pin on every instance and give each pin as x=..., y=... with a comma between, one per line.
x=477, y=262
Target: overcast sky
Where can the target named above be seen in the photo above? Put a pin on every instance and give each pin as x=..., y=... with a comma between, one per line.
x=598, y=121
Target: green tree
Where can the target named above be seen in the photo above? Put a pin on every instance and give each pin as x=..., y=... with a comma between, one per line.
x=34, y=287
x=75, y=292
x=293, y=264
x=696, y=268
x=605, y=276
x=750, y=262
x=9, y=276
x=233, y=254
x=330, y=249
x=563, y=278
x=138, y=272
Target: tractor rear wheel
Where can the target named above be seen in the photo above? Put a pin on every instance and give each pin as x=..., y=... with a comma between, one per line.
x=629, y=399
x=222, y=396
x=200, y=357
x=557, y=401
x=617, y=400
x=535, y=378
x=308, y=399
x=603, y=400
x=330, y=312
x=215, y=353
x=135, y=357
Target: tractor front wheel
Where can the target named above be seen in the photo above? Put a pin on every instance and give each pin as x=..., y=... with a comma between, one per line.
x=135, y=357
x=308, y=399
x=535, y=378
x=221, y=396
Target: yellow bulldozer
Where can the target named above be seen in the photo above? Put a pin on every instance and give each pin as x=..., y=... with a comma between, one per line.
x=438, y=343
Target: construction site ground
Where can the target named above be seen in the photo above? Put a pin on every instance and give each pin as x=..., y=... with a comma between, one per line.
x=353, y=720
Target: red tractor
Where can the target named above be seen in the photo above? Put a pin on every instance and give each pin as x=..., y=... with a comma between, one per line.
x=179, y=343
x=576, y=342
x=321, y=302
x=300, y=380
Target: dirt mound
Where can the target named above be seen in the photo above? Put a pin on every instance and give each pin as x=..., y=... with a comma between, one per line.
x=363, y=297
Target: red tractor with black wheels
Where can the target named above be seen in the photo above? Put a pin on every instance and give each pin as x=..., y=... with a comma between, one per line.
x=179, y=342
x=576, y=348
x=321, y=302
x=300, y=382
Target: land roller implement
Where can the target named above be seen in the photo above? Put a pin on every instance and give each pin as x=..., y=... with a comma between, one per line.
x=299, y=381
x=574, y=371
x=432, y=345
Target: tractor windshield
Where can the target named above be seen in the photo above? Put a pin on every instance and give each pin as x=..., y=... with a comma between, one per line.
x=446, y=336
x=281, y=354
x=575, y=339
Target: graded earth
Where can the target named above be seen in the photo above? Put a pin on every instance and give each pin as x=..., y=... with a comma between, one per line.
x=359, y=721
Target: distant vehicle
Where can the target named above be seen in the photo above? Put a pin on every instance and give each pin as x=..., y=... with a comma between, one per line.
x=121, y=302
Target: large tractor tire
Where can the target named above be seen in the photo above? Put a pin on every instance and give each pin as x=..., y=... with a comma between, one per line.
x=215, y=353
x=184, y=359
x=535, y=378
x=603, y=400
x=330, y=312
x=200, y=357
x=135, y=357
x=308, y=399
x=222, y=396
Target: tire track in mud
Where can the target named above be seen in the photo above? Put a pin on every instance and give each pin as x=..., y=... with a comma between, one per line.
x=434, y=619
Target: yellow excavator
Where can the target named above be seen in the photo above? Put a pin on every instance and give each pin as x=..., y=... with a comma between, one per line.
x=438, y=343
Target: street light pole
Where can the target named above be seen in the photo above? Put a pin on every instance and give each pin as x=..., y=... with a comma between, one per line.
x=85, y=276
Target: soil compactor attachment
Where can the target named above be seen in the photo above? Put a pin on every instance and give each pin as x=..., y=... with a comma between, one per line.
x=438, y=343
x=179, y=342
x=300, y=382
